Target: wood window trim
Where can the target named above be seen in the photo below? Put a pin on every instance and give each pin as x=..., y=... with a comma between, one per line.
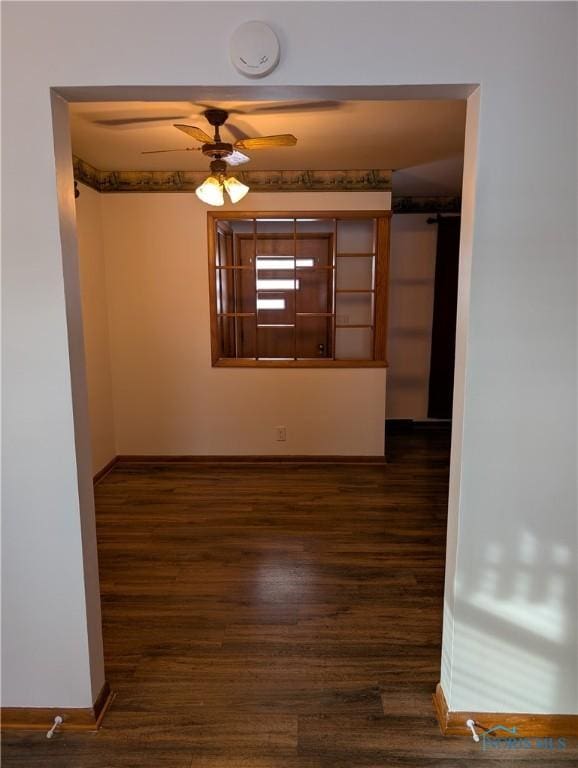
x=379, y=290
x=244, y=362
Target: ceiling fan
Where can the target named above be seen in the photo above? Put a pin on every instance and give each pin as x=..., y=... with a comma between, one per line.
x=218, y=149
x=134, y=119
x=224, y=153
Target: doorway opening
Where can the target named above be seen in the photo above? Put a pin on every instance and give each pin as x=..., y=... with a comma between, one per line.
x=277, y=549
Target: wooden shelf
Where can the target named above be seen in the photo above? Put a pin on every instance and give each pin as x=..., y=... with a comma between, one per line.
x=237, y=314
x=355, y=290
x=354, y=326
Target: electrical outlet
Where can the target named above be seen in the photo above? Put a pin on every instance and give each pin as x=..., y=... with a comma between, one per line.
x=281, y=433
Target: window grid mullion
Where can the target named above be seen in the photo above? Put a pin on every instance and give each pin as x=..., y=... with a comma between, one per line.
x=295, y=289
x=255, y=275
x=334, y=291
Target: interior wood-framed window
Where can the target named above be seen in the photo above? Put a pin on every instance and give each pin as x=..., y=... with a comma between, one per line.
x=305, y=289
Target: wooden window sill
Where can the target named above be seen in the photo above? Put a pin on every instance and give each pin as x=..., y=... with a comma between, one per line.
x=249, y=363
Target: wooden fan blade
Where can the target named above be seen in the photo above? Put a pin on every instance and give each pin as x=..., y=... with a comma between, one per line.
x=196, y=133
x=296, y=106
x=264, y=142
x=250, y=108
x=236, y=158
x=136, y=120
x=157, y=151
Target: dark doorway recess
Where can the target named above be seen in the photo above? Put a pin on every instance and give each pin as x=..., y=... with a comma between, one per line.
x=443, y=343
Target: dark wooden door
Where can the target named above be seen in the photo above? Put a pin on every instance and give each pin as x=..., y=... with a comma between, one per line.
x=299, y=324
x=443, y=343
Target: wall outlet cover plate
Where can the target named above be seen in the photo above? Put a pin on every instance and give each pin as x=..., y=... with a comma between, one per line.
x=254, y=49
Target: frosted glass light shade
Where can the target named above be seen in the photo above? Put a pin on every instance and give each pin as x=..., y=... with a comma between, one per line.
x=235, y=189
x=211, y=191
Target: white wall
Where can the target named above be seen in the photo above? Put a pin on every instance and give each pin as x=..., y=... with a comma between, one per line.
x=412, y=263
x=168, y=399
x=511, y=571
x=96, y=330
x=144, y=289
x=51, y=634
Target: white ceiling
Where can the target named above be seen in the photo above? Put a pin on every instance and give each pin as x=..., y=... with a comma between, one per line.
x=421, y=140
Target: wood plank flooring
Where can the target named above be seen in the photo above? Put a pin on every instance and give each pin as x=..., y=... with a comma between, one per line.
x=272, y=616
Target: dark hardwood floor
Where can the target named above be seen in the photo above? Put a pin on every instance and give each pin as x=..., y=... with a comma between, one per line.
x=272, y=616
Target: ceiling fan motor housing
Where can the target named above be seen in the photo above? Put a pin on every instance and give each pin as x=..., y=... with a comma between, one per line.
x=217, y=149
x=216, y=117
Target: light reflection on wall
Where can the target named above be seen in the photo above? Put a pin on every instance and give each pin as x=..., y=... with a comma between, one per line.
x=521, y=681
x=510, y=619
x=544, y=617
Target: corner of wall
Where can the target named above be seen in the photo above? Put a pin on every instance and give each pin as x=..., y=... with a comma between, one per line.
x=460, y=384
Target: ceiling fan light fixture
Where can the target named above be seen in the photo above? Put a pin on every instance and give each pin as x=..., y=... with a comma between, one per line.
x=235, y=189
x=225, y=154
x=211, y=191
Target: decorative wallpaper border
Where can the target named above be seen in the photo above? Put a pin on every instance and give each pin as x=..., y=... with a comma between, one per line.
x=259, y=181
x=427, y=204
x=264, y=181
